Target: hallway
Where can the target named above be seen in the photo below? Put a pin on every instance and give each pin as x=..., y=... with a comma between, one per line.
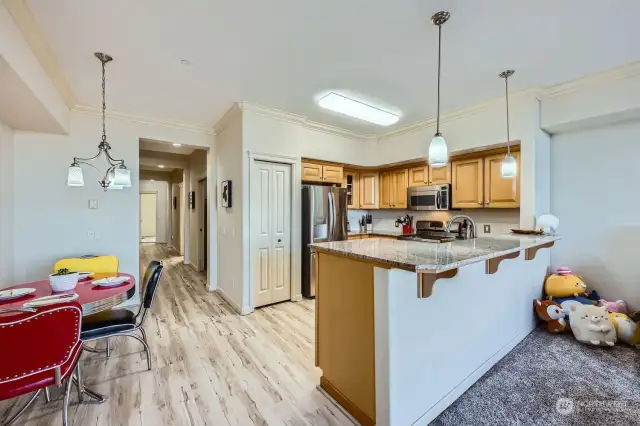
x=210, y=365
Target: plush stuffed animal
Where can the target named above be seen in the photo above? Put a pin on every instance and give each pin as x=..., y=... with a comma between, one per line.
x=619, y=306
x=591, y=324
x=566, y=302
x=551, y=312
x=564, y=284
x=626, y=330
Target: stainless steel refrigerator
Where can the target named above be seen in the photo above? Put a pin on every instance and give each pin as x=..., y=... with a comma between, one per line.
x=324, y=218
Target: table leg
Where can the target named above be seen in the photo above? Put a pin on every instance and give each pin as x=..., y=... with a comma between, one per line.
x=99, y=398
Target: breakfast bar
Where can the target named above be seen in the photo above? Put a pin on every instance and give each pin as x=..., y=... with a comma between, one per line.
x=403, y=328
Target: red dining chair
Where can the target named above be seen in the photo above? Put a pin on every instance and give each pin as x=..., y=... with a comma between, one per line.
x=43, y=349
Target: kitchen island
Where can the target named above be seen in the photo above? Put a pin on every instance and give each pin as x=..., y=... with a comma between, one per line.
x=403, y=328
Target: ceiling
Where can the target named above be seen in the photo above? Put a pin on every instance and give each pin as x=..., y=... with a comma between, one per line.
x=159, y=146
x=283, y=53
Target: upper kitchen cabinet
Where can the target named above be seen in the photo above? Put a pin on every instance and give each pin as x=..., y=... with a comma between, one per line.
x=467, y=181
x=351, y=181
x=499, y=192
x=319, y=172
x=386, y=196
x=399, y=184
x=440, y=176
x=332, y=174
x=369, y=190
x=419, y=176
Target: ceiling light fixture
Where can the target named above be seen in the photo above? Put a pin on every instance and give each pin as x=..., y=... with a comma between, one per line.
x=509, y=166
x=358, y=109
x=117, y=175
x=177, y=145
x=438, y=151
x=186, y=62
x=161, y=166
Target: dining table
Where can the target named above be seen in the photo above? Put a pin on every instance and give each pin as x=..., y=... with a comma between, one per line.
x=93, y=298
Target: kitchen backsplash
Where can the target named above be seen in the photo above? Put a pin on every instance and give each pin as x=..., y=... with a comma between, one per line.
x=501, y=221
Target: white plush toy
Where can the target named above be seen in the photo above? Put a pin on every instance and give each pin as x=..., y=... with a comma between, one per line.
x=591, y=324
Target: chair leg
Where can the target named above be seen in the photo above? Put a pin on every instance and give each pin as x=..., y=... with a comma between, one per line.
x=144, y=334
x=22, y=410
x=80, y=387
x=146, y=348
x=108, y=348
x=47, y=395
x=65, y=406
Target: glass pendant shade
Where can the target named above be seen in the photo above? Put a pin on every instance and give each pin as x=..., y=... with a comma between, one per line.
x=111, y=176
x=75, y=176
x=438, y=152
x=122, y=177
x=509, y=167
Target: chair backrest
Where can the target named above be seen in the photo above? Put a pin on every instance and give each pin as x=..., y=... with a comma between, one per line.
x=151, y=280
x=98, y=264
x=37, y=342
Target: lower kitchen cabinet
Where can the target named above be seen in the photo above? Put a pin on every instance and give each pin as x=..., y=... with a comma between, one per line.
x=499, y=192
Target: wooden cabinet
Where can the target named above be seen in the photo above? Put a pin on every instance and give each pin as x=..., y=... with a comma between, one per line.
x=386, y=196
x=467, y=184
x=440, y=176
x=351, y=181
x=368, y=190
x=499, y=192
x=318, y=172
x=399, y=184
x=419, y=176
x=311, y=172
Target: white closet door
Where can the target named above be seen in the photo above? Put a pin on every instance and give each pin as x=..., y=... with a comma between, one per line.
x=270, y=194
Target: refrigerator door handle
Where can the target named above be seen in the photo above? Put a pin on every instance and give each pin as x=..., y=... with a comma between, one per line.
x=332, y=217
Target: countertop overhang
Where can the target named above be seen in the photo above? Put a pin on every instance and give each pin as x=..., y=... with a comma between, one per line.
x=432, y=257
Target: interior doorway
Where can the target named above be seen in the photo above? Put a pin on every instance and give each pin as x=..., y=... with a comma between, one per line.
x=270, y=225
x=203, y=243
x=148, y=217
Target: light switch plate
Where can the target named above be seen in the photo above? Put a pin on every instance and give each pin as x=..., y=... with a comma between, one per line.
x=93, y=203
x=487, y=229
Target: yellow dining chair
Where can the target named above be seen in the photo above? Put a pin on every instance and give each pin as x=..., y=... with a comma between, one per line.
x=97, y=265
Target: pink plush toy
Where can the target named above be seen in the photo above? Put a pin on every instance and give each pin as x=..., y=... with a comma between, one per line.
x=619, y=306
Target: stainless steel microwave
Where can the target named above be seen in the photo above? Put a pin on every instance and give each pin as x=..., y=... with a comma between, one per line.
x=436, y=197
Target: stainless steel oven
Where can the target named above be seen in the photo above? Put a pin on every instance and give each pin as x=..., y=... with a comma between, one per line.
x=436, y=197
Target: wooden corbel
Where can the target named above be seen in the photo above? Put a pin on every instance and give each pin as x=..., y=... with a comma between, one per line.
x=491, y=265
x=530, y=253
x=426, y=281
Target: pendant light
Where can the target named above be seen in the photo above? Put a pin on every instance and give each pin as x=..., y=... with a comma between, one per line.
x=438, y=151
x=117, y=175
x=509, y=166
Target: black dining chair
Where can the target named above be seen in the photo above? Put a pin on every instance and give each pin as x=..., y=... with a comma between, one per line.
x=123, y=322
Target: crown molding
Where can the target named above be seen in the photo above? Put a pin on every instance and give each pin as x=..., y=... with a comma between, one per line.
x=614, y=74
x=26, y=23
x=231, y=114
x=301, y=121
x=143, y=119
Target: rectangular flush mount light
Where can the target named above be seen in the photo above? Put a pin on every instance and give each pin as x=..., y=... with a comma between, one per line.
x=357, y=109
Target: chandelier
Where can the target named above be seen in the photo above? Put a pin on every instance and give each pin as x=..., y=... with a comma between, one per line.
x=117, y=175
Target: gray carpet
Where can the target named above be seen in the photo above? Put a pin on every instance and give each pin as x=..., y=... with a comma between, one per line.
x=601, y=384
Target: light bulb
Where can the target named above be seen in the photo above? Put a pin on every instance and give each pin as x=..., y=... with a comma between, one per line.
x=438, y=152
x=509, y=167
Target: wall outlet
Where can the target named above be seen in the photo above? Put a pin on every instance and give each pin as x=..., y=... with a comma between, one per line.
x=487, y=229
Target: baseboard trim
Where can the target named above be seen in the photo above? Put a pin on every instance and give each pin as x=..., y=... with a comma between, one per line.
x=343, y=401
x=456, y=392
x=232, y=303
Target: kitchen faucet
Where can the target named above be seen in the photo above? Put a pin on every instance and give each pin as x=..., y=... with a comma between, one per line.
x=464, y=218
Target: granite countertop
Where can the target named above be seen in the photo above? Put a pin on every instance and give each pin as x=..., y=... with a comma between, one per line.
x=385, y=232
x=421, y=256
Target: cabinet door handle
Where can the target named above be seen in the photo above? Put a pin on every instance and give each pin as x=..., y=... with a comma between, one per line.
x=480, y=202
x=487, y=203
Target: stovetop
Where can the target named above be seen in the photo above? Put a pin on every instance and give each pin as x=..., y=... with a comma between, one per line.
x=430, y=237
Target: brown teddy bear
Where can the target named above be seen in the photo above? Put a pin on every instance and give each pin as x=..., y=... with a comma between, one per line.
x=552, y=313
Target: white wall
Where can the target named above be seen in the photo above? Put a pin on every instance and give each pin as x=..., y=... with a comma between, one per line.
x=230, y=229
x=51, y=220
x=6, y=206
x=594, y=183
x=160, y=185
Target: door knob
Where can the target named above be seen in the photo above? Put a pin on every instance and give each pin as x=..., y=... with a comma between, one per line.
x=279, y=240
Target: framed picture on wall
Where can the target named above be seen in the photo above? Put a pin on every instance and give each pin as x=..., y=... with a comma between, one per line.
x=175, y=203
x=226, y=193
x=192, y=200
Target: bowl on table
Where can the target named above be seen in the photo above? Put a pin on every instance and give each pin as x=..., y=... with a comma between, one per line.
x=63, y=282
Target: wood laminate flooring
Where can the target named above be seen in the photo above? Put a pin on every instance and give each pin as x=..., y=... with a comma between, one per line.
x=210, y=365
